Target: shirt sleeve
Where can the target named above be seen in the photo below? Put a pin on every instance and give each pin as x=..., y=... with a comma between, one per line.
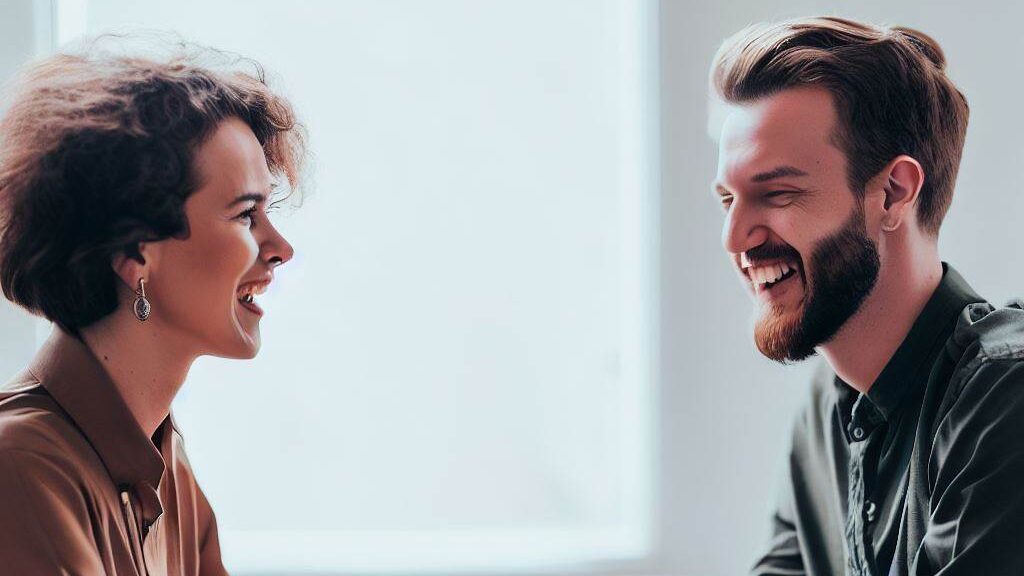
x=45, y=527
x=977, y=478
x=210, y=563
x=781, y=557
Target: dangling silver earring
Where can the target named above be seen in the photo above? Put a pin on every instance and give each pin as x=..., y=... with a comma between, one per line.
x=142, y=307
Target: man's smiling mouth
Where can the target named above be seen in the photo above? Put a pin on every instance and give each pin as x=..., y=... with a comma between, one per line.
x=764, y=274
x=770, y=274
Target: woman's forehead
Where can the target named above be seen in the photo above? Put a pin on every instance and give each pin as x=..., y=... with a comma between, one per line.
x=231, y=161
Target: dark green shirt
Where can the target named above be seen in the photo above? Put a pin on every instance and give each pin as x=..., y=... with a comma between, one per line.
x=925, y=473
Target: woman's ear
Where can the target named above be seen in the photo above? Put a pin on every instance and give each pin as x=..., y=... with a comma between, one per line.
x=903, y=180
x=131, y=265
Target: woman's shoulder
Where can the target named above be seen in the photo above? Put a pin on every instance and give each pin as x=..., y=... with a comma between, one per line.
x=33, y=424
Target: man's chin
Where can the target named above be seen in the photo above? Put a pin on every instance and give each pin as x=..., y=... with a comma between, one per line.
x=777, y=334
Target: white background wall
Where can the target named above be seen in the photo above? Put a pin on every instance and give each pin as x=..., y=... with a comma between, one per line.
x=458, y=359
x=724, y=411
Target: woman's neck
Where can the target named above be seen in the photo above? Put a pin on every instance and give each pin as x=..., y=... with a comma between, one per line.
x=146, y=365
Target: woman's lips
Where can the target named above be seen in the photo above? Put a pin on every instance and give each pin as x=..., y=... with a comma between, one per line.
x=252, y=307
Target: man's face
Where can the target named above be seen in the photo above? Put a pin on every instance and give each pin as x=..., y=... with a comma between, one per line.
x=793, y=228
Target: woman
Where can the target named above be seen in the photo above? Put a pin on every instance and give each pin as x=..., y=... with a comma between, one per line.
x=133, y=215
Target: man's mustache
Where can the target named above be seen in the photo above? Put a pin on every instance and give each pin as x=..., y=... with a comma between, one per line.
x=772, y=252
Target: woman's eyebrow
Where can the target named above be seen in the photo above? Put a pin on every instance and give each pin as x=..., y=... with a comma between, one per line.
x=257, y=196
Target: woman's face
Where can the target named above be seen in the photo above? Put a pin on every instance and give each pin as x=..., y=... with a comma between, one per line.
x=197, y=286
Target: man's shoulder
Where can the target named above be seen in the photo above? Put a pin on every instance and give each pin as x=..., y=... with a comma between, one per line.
x=988, y=348
x=984, y=332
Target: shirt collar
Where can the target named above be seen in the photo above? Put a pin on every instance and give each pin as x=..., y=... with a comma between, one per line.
x=76, y=380
x=912, y=362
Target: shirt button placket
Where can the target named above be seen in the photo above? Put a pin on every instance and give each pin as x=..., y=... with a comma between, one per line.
x=870, y=511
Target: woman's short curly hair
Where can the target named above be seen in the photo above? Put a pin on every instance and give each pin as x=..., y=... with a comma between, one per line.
x=96, y=156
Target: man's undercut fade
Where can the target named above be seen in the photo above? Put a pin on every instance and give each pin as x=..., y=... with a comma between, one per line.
x=889, y=87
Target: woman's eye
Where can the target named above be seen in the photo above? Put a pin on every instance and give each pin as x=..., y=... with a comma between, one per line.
x=247, y=216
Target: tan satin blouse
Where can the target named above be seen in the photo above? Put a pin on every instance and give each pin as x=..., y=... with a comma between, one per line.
x=83, y=490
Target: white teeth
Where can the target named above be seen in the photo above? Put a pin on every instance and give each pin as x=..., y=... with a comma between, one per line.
x=744, y=261
x=248, y=293
x=771, y=273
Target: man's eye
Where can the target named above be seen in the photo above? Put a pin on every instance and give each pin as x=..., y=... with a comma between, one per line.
x=780, y=197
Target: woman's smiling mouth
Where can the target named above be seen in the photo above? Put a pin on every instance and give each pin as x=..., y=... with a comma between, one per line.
x=246, y=294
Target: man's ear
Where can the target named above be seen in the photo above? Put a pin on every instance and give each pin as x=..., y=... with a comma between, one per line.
x=903, y=180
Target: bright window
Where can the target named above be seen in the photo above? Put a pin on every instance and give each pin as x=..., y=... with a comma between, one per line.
x=457, y=367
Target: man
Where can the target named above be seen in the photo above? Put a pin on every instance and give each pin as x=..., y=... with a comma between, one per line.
x=837, y=164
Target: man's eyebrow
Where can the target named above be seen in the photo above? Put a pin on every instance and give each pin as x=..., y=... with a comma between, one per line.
x=779, y=172
x=257, y=196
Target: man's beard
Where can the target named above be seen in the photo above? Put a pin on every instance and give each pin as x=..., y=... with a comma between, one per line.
x=843, y=269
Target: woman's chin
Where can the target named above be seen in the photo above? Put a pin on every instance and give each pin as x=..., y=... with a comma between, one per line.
x=247, y=330
x=243, y=348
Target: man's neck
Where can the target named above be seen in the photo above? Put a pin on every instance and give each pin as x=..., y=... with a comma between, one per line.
x=867, y=341
x=148, y=371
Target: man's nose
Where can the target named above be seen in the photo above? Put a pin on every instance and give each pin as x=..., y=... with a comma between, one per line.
x=742, y=229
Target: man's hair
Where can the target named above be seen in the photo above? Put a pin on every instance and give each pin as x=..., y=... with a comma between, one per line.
x=96, y=156
x=888, y=85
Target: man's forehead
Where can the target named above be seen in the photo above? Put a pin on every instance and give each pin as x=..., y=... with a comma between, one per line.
x=793, y=127
x=795, y=114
